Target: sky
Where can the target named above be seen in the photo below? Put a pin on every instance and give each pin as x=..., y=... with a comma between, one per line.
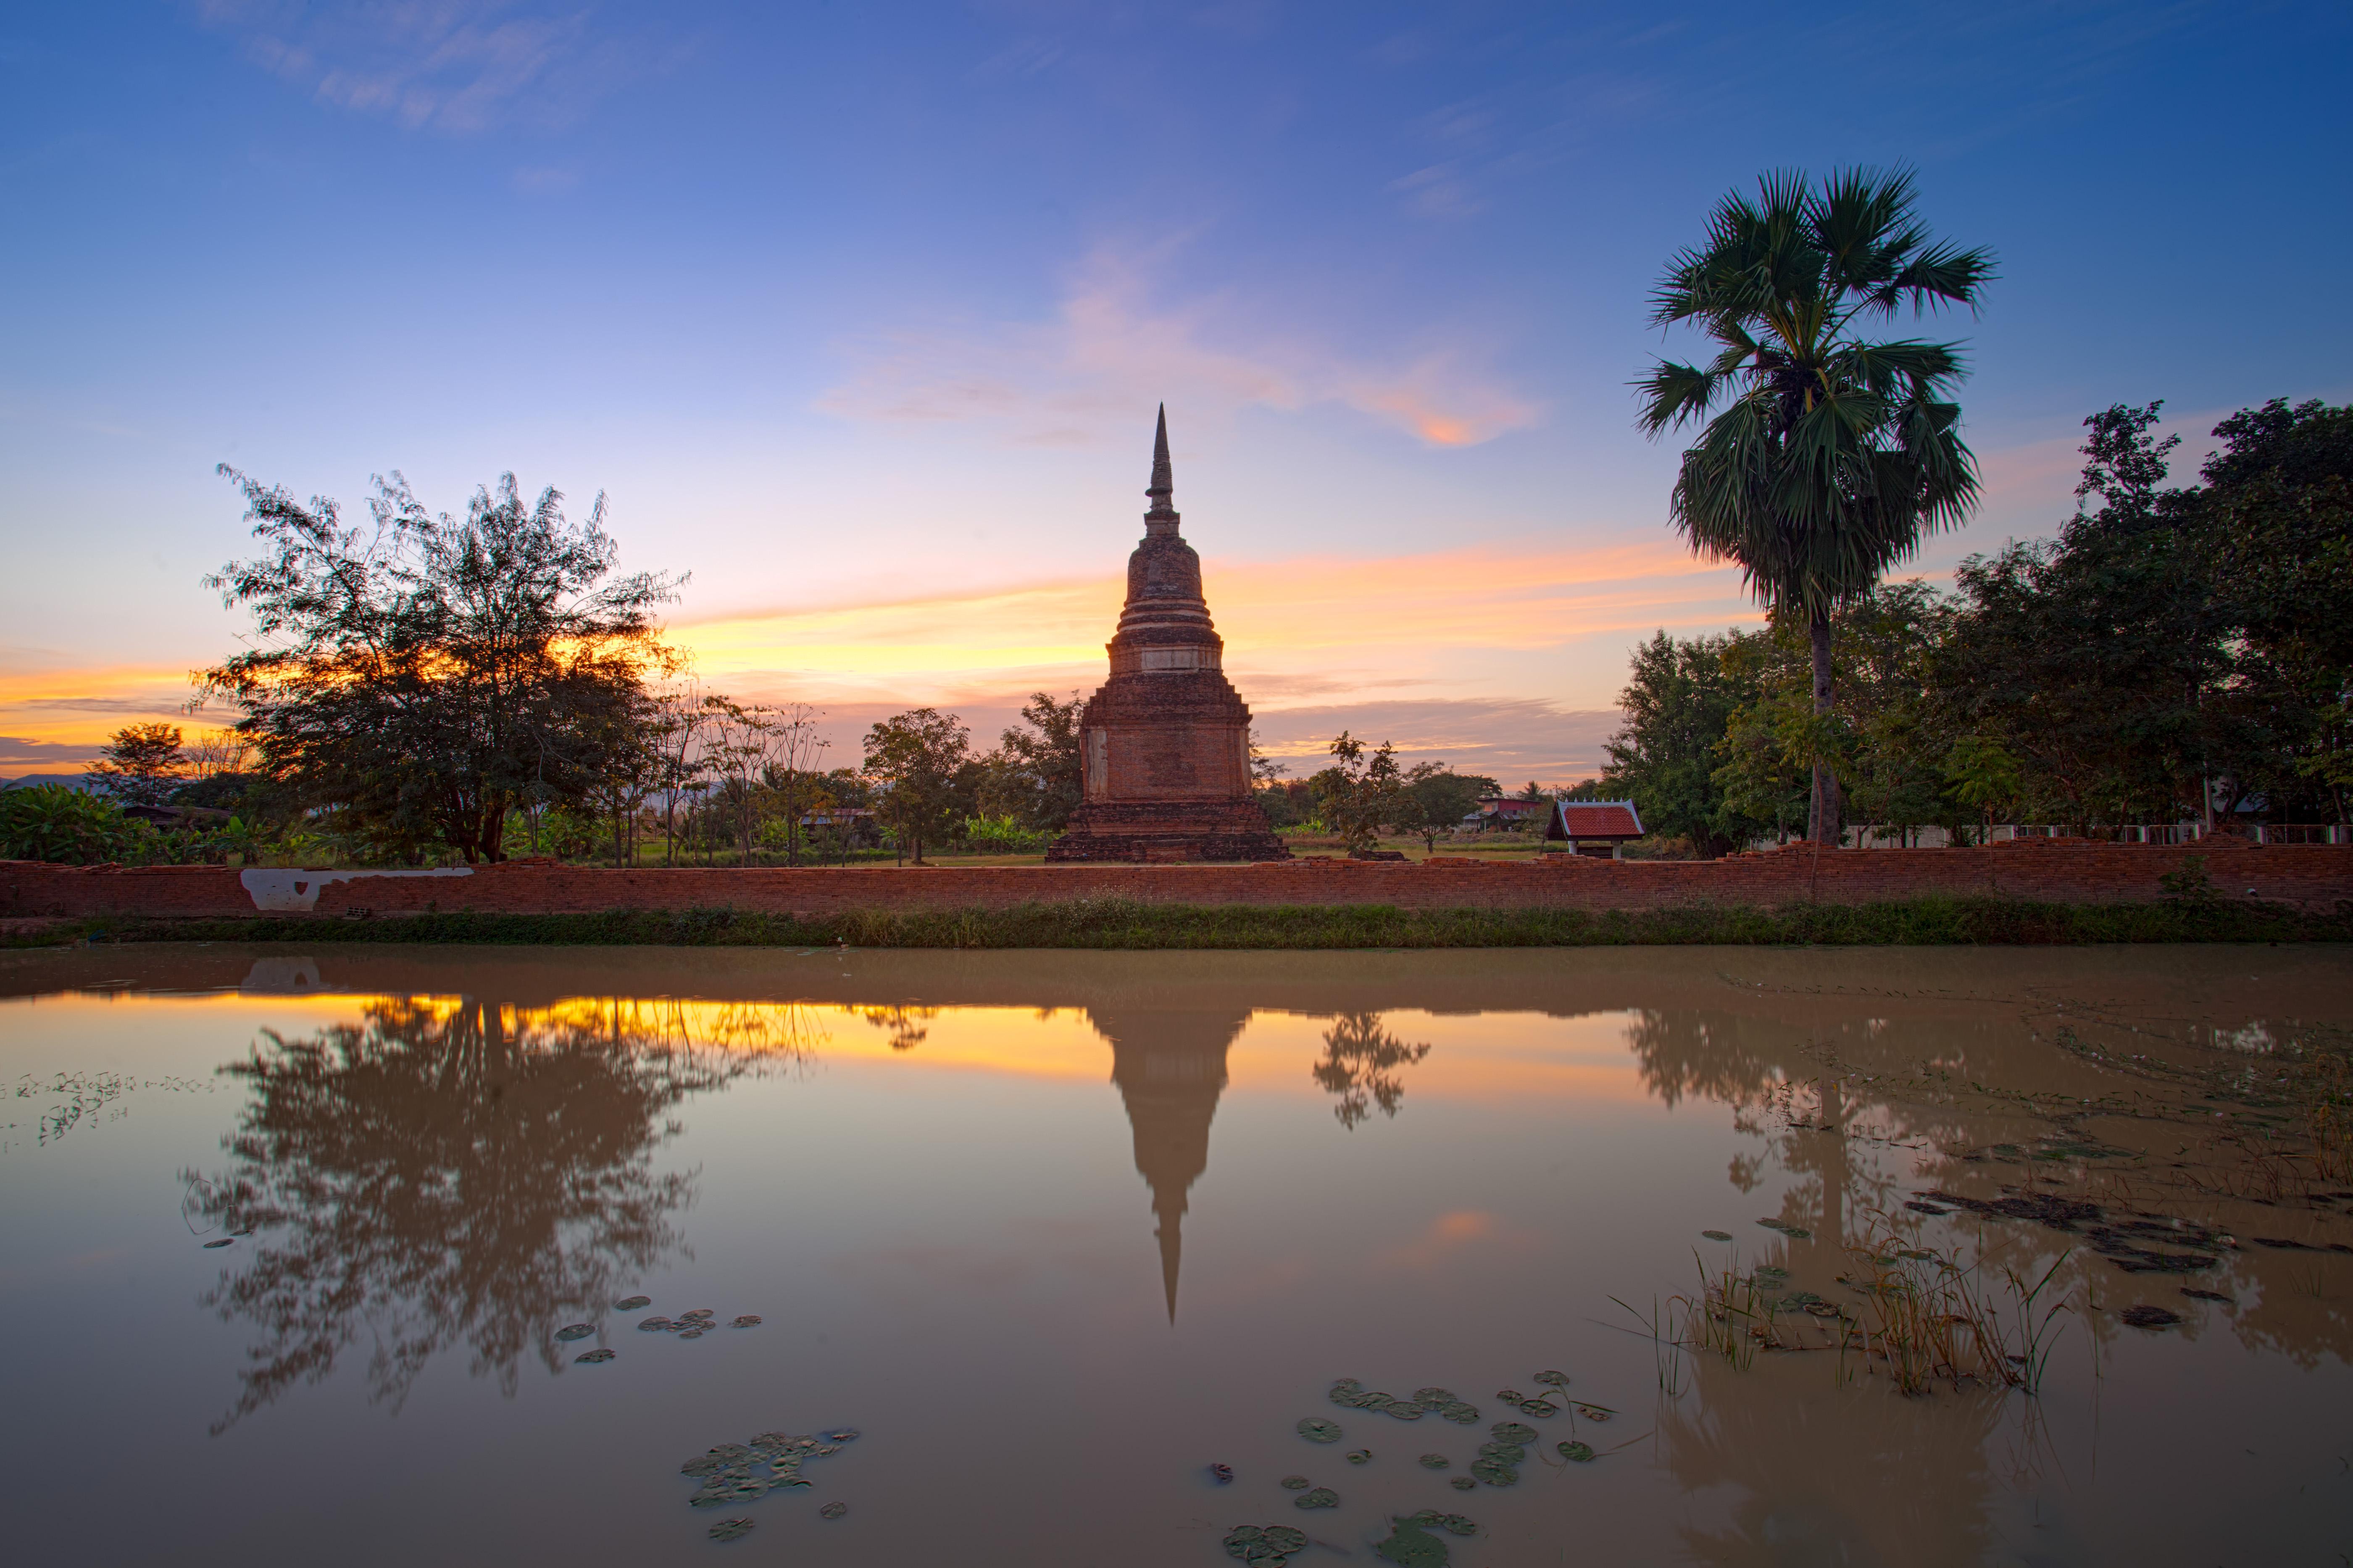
x=858, y=314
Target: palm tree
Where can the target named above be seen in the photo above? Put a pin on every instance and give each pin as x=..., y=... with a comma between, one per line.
x=1832, y=455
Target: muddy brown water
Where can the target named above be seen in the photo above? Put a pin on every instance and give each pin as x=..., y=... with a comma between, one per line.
x=1057, y=1231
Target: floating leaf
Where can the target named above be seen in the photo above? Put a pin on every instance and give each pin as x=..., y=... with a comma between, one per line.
x=1410, y=1546
x=1539, y=1408
x=1717, y=1235
x=593, y=1358
x=693, y=1333
x=1514, y=1432
x=1453, y=1524
x=701, y=1312
x=2148, y=1317
x=632, y=1303
x=1295, y=1483
x=571, y=1331
x=1284, y=1538
x=1509, y=1396
x=1318, y=1431
x=1221, y=1474
x=223, y=1241
x=842, y=1435
x=730, y=1529
x=708, y=1499
x=1436, y=1398
x=1321, y=1497
x=655, y=1325
x=1399, y=1410
x=1577, y=1453
x=833, y=1510
x=1360, y=1455
x=1462, y=1413
x=746, y=1322
x=1463, y=1484
x=1495, y=1472
x=1595, y=1412
x=1794, y=1232
x=1435, y=1461
x=1557, y=1379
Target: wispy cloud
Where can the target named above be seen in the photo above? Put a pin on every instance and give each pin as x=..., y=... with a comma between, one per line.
x=453, y=66
x=1112, y=344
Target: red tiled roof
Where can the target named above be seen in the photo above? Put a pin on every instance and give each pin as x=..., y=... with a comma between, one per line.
x=1611, y=819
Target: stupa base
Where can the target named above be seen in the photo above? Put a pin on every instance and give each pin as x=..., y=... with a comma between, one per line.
x=1167, y=832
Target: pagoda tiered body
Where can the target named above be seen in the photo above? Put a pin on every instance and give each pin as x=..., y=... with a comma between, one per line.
x=1166, y=738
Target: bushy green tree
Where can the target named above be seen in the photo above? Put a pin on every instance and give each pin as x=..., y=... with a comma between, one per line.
x=1358, y=793
x=1678, y=702
x=916, y=763
x=68, y=827
x=1037, y=776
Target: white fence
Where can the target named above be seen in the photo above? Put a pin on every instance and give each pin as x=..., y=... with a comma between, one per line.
x=1871, y=836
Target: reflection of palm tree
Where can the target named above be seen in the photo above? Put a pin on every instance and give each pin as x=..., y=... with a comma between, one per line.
x=1824, y=1474
x=1359, y=1065
x=1170, y=1069
x=436, y=1176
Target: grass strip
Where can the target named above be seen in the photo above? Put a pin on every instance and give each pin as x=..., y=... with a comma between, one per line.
x=1123, y=924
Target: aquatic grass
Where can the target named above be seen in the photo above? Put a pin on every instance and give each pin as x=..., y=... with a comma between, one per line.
x=1129, y=924
x=1935, y=1319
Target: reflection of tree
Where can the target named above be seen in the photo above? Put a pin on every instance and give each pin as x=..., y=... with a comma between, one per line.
x=439, y=1175
x=907, y=1026
x=1359, y=1065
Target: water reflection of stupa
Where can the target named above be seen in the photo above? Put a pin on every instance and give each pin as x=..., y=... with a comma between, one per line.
x=1170, y=1069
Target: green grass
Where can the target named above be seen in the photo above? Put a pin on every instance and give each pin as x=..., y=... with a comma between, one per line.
x=1120, y=924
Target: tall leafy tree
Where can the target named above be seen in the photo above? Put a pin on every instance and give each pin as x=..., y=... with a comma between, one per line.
x=1826, y=455
x=1679, y=701
x=423, y=676
x=916, y=761
x=141, y=763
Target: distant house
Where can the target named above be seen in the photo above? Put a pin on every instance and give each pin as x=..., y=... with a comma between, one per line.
x=1592, y=827
x=1498, y=812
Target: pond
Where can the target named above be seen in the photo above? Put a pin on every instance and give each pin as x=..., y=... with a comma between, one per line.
x=1726, y=1255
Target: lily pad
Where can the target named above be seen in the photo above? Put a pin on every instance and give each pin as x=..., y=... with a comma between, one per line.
x=1462, y=1413
x=632, y=1303
x=593, y=1358
x=702, y=1313
x=1321, y=1497
x=1514, y=1432
x=1463, y=1484
x=1794, y=1232
x=1539, y=1408
x=1295, y=1483
x=1557, y=1379
x=693, y=1333
x=1510, y=1453
x=833, y=1510
x=2148, y=1317
x=730, y=1529
x=571, y=1331
x=655, y=1325
x=746, y=1322
x=842, y=1435
x=1360, y=1455
x=1577, y=1453
x=1319, y=1431
x=1284, y=1538
x=1402, y=1410
x=1453, y=1524
x=1509, y=1396
x=1410, y=1546
x=1717, y=1235
x=708, y=1499
x=1595, y=1412
x=223, y=1241
x=702, y=1465
x=1495, y=1472
x=1436, y=1398
x=1435, y=1462
x=1222, y=1474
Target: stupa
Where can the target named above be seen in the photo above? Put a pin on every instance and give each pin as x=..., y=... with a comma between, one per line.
x=1166, y=741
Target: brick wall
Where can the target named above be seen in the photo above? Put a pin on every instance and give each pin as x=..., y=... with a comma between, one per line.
x=2043, y=870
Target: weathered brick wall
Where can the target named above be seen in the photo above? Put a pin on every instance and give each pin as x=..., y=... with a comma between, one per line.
x=2313, y=875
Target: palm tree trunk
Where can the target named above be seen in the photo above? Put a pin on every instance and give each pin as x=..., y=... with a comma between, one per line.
x=1822, y=809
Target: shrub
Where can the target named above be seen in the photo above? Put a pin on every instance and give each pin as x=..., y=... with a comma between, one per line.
x=68, y=827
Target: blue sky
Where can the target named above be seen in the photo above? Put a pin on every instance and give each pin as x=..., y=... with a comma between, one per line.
x=859, y=313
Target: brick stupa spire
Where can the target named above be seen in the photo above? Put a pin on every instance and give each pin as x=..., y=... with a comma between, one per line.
x=1166, y=741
